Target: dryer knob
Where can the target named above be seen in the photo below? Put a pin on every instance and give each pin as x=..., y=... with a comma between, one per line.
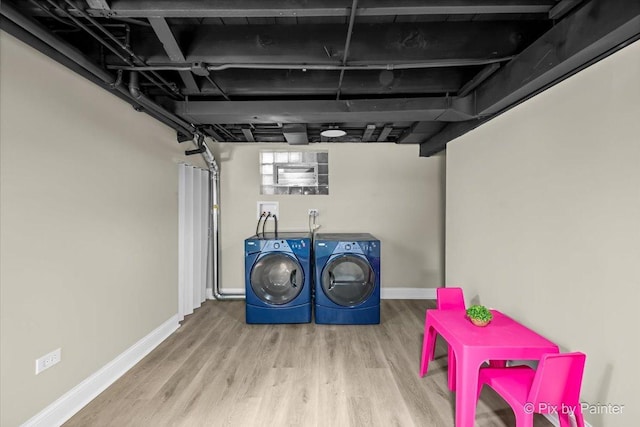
x=347, y=247
x=276, y=245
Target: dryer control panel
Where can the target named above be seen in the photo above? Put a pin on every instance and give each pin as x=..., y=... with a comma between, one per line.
x=350, y=247
x=276, y=246
x=298, y=244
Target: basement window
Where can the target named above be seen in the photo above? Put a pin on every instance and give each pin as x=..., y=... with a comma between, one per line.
x=294, y=172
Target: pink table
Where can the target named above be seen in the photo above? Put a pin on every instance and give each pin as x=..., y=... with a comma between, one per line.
x=502, y=339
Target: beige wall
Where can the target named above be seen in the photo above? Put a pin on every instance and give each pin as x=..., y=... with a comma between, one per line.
x=89, y=227
x=382, y=189
x=543, y=222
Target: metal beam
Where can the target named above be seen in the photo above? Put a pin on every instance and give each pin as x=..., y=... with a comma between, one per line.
x=371, y=44
x=438, y=142
x=483, y=75
x=420, y=131
x=296, y=134
x=368, y=132
x=562, y=8
x=361, y=83
x=168, y=40
x=384, y=133
x=98, y=4
x=248, y=135
x=170, y=44
x=310, y=8
x=365, y=110
x=595, y=31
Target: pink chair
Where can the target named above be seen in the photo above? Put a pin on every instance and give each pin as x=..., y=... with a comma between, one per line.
x=553, y=388
x=449, y=299
x=452, y=299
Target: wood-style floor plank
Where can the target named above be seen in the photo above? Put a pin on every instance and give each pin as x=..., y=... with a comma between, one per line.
x=216, y=370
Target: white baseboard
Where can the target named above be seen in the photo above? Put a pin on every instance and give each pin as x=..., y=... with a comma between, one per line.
x=408, y=293
x=75, y=399
x=385, y=293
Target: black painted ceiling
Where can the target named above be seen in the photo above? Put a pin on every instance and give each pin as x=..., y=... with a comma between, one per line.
x=394, y=71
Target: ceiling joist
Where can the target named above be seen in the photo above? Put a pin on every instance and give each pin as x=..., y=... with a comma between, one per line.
x=405, y=71
x=98, y=4
x=171, y=47
x=296, y=134
x=362, y=110
x=384, y=134
x=248, y=135
x=316, y=8
x=370, y=43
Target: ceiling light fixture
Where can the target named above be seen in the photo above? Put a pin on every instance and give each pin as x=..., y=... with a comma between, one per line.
x=333, y=133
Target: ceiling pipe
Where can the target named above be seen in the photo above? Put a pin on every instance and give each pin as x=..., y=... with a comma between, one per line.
x=435, y=63
x=99, y=39
x=121, y=45
x=180, y=125
x=347, y=44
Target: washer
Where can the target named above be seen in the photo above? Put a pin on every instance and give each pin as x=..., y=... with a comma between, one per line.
x=347, y=279
x=278, y=278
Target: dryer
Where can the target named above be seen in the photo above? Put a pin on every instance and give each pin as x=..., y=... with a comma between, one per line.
x=278, y=278
x=347, y=279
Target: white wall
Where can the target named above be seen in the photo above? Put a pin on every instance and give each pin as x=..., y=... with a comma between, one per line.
x=383, y=189
x=543, y=222
x=89, y=236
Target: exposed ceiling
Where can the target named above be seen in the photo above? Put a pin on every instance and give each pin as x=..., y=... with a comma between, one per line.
x=385, y=71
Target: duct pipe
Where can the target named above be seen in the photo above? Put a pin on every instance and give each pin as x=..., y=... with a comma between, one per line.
x=214, y=228
x=182, y=126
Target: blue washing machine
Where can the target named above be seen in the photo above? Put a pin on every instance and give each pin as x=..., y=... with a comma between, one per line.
x=278, y=278
x=347, y=279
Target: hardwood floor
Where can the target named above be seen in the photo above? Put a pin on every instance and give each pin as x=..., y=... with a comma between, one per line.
x=215, y=370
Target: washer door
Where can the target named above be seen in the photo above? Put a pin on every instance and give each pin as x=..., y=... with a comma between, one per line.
x=348, y=280
x=277, y=278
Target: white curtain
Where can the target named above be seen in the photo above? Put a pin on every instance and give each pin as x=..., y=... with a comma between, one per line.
x=193, y=197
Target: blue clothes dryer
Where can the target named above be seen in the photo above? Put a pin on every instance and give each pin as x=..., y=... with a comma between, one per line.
x=347, y=279
x=278, y=278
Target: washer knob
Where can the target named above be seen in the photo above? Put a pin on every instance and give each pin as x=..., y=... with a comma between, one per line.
x=276, y=245
x=347, y=247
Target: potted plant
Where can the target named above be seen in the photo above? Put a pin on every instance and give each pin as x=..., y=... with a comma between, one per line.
x=479, y=315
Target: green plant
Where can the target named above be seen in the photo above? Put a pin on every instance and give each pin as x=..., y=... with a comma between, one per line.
x=479, y=313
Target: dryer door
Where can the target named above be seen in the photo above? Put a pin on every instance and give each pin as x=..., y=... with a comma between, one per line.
x=348, y=280
x=277, y=278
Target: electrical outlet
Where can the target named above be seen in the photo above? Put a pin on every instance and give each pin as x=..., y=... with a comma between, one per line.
x=314, y=212
x=48, y=360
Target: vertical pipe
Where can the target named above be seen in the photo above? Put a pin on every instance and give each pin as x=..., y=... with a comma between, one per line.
x=214, y=229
